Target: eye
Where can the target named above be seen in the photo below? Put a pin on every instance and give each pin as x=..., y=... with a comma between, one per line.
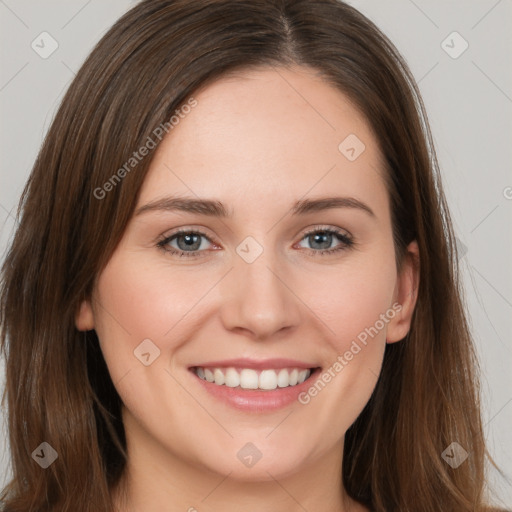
x=321, y=241
x=192, y=243
x=185, y=243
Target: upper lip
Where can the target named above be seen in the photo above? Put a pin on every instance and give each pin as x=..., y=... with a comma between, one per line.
x=256, y=364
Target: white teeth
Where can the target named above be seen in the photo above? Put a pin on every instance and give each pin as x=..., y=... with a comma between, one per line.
x=268, y=379
x=219, y=377
x=250, y=379
x=303, y=375
x=232, y=378
x=283, y=378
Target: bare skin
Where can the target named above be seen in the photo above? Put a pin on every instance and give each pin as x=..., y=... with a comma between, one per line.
x=258, y=146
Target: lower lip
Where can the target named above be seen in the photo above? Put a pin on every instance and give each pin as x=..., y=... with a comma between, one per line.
x=255, y=400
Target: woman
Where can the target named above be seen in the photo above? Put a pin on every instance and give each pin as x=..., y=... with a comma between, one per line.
x=234, y=280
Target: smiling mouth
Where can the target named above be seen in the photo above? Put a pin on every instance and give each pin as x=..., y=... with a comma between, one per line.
x=249, y=378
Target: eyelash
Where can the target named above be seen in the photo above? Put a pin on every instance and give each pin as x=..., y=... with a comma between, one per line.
x=346, y=242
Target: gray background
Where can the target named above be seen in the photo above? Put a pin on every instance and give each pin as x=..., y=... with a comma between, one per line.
x=469, y=102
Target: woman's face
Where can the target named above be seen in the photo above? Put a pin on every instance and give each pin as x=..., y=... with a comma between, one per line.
x=285, y=264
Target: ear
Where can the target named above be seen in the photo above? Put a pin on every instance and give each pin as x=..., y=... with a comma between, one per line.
x=406, y=294
x=84, y=319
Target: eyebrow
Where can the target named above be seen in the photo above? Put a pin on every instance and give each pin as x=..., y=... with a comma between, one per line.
x=214, y=208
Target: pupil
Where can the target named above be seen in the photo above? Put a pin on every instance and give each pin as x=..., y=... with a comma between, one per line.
x=190, y=242
x=327, y=239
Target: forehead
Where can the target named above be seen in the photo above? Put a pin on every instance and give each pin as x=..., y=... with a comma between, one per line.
x=268, y=133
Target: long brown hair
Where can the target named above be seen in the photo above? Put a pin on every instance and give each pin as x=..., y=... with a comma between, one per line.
x=150, y=62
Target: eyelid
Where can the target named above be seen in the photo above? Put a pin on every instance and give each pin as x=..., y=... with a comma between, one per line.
x=187, y=230
x=324, y=227
x=167, y=238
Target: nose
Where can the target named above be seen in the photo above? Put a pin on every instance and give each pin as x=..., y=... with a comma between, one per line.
x=259, y=298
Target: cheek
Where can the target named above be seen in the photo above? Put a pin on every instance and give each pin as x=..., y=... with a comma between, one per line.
x=351, y=302
x=134, y=302
x=356, y=310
